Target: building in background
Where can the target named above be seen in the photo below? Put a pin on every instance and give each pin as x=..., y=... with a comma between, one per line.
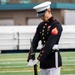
x=20, y=12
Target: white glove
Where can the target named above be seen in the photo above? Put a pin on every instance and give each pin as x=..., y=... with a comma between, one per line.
x=55, y=47
x=32, y=62
x=35, y=62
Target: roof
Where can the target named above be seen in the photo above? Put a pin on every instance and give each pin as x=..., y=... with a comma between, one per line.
x=55, y=5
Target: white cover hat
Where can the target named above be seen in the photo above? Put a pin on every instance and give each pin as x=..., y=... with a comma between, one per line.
x=41, y=8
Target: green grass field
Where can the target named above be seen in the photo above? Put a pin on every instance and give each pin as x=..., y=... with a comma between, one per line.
x=15, y=64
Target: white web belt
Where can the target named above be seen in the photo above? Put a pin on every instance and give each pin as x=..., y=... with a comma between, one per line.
x=55, y=47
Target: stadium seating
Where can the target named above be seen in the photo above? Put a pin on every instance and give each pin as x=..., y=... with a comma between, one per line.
x=18, y=37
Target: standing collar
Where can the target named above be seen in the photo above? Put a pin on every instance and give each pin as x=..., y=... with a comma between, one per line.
x=51, y=19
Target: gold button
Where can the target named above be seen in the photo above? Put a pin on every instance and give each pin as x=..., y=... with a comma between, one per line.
x=42, y=33
x=43, y=37
x=44, y=41
x=43, y=26
x=52, y=51
x=45, y=23
x=40, y=54
x=42, y=51
x=39, y=58
x=42, y=30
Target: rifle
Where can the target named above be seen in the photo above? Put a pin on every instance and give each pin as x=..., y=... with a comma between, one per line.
x=35, y=66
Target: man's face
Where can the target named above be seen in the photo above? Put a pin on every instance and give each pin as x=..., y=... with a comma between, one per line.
x=45, y=17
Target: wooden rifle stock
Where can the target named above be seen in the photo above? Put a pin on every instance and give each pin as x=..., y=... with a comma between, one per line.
x=35, y=70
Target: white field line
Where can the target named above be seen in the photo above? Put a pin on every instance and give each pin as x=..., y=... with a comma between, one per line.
x=6, y=59
x=68, y=64
x=12, y=67
x=67, y=74
x=12, y=59
x=67, y=57
x=28, y=67
x=68, y=60
x=32, y=71
x=20, y=62
x=69, y=69
x=13, y=62
x=26, y=58
x=18, y=71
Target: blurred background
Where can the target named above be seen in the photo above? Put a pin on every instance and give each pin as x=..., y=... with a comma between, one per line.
x=20, y=12
x=18, y=24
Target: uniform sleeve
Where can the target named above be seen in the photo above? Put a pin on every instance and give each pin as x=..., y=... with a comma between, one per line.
x=35, y=40
x=52, y=40
x=34, y=45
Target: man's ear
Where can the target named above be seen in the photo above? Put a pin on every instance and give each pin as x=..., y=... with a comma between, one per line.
x=49, y=10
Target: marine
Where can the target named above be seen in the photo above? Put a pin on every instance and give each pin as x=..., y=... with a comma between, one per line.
x=48, y=32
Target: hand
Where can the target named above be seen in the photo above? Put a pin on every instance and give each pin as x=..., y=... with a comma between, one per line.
x=32, y=62
x=35, y=62
x=55, y=47
x=31, y=56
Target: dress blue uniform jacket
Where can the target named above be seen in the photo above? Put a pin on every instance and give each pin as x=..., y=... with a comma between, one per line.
x=49, y=33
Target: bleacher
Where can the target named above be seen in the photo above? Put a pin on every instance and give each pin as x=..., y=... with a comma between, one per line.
x=18, y=37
